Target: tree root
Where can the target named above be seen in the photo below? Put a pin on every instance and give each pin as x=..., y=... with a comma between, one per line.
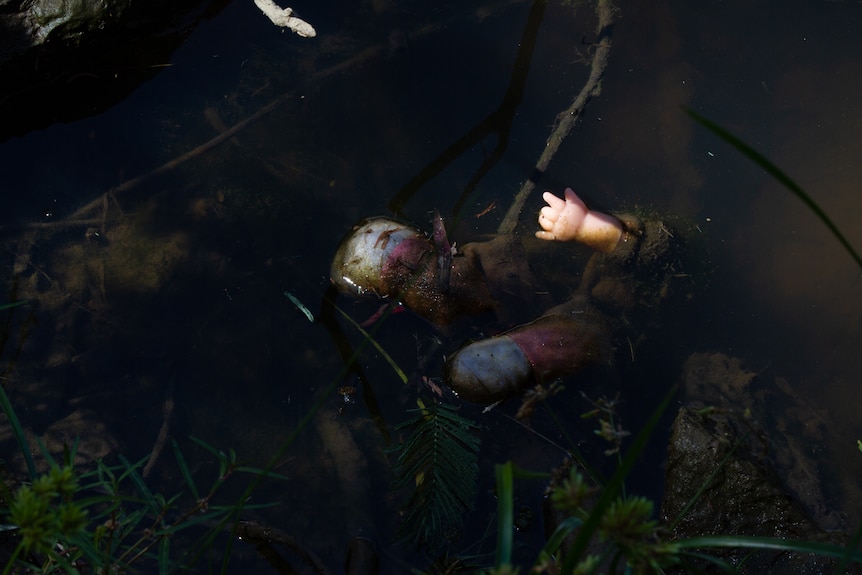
x=567, y=118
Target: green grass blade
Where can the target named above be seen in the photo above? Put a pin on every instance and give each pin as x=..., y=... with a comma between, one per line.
x=132, y=473
x=851, y=545
x=18, y=431
x=208, y=517
x=218, y=454
x=246, y=506
x=707, y=483
x=779, y=175
x=192, y=555
x=165, y=556
x=129, y=468
x=613, y=487
x=258, y=471
x=184, y=469
x=521, y=473
x=505, y=513
x=398, y=371
x=232, y=518
x=13, y=304
x=69, y=453
x=86, y=548
x=771, y=544
x=45, y=453
x=129, y=522
x=571, y=446
x=563, y=530
x=106, y=503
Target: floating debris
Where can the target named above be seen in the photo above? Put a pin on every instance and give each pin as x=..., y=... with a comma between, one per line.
x=284, y=17
x=299, y=306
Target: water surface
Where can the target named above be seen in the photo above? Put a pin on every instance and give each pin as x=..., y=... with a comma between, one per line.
x=175, y=289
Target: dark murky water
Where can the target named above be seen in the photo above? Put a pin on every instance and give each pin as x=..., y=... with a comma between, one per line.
x=181, y=296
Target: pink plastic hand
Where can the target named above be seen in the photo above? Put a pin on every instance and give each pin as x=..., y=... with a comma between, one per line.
x=561, y=219
x=570, y=219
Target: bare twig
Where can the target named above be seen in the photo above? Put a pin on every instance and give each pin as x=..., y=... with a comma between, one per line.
x=566, y=120
x=162, y=439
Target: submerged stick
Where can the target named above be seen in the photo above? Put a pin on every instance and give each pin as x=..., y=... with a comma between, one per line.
x=566, y=119
x=162, y=438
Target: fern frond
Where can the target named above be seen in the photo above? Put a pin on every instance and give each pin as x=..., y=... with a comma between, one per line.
x=440, y=458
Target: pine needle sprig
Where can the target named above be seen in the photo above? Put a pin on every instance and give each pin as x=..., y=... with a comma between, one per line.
x=440, y=459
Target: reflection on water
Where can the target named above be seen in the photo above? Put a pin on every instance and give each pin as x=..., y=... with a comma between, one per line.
x=172, y=287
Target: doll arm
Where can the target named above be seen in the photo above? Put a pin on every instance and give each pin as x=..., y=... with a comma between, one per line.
x=570, y=219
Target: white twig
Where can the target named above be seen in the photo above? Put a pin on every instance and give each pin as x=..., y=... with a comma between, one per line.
x=284, y=17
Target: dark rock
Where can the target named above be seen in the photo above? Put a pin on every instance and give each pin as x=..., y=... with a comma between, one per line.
x=734, y=438
x=785, y=434
x=65, y=59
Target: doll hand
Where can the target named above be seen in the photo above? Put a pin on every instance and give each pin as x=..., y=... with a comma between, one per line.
x=562, y=219
x=570, y=219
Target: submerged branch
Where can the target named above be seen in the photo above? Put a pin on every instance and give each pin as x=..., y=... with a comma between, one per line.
x=566, y=119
